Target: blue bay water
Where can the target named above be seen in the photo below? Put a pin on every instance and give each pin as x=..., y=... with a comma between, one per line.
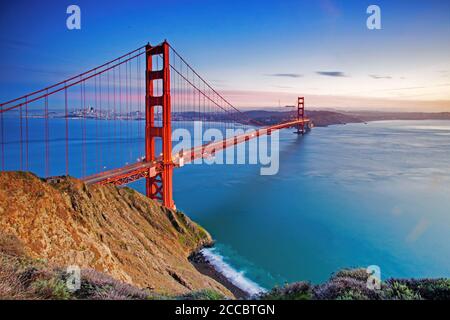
x=344, y=196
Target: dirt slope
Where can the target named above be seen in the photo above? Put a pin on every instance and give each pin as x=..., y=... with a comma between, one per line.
x=116, y=231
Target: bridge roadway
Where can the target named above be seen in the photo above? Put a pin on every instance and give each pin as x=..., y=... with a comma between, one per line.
x=139, y=170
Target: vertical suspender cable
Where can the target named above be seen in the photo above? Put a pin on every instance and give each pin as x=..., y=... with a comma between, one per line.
x=26, y=134
x=108, y=112
x=120, y=104
x=21, y=139
x=114, y=113
x=96, y=119
x=2, y=137
x=84, y=114
x=67, y=130
x=100, y=116
x=138, y=71
x=130, y=107
x=47, y=147
x=127, y=104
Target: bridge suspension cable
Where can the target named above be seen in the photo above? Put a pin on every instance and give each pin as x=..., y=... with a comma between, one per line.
x=92, y=125
x=227, y=103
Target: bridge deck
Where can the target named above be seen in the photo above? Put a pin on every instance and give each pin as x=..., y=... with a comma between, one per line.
x=144, y=169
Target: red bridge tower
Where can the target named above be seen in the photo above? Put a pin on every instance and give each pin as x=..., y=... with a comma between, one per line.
x=158, y=187
x=301, y=115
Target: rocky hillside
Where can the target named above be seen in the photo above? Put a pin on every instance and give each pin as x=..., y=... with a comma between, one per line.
x=112, y=230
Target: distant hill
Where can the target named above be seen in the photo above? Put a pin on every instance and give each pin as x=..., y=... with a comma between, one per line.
x=326, y=118
x=377, y=115
x=319, y=118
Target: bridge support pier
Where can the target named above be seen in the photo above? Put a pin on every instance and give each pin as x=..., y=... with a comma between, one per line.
x=159, y=187
x=301, y=115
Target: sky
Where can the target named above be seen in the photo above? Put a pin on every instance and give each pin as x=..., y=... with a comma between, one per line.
x=256, y=53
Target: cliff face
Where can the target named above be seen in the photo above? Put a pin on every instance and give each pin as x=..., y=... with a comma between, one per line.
x=116, y=231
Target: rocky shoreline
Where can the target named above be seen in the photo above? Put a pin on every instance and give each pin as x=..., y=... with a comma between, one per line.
x=202, y=264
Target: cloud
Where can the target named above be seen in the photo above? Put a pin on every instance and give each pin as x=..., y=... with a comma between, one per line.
x=374, y=76
x=261, y=99
x=331, y=73
x=287, y=75
x=283, y=87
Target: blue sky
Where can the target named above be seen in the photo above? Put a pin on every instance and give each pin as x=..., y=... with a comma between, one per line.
x=258, y=53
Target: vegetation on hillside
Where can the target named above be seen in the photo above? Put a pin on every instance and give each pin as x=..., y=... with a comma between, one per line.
x=351, y=284
x=22, y=277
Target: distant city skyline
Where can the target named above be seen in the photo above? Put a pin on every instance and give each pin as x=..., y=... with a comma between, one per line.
x=256, y=53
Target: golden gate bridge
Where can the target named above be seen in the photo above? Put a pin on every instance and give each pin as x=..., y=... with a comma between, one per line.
x=153, y=84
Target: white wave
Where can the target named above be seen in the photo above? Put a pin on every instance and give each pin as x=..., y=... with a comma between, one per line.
x=234, y=276
x=429, y=127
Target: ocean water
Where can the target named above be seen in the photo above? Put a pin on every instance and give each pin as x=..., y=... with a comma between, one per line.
x=345, y=196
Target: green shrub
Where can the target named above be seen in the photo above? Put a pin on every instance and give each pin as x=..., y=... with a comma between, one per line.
x=99, y=286
x=429, y=289
x=202, y=232
x=205, y=294
x=52, y=288
x=160, y=296
x=399, y=291
x=129, y=190
x=352, y=295
x=434, y=289
x=359, y=274
x=345, y=287
x=295, y=291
